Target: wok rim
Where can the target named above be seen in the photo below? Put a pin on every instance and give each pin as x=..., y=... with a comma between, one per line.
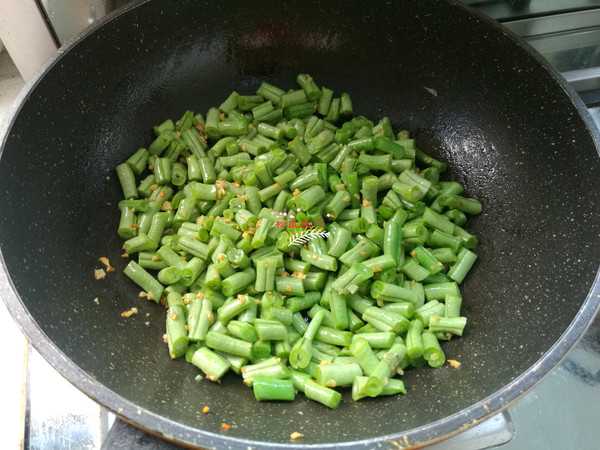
x=173, y=431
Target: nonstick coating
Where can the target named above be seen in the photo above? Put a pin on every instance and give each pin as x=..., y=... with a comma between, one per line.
x=472, y=94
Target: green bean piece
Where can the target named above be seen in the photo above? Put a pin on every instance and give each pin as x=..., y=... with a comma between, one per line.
x=165, y=126
x=245, y=219
x=294, y=265
x=393, y=387
x=289, y=285
x=427, y=260
x=220, y=228
x=279, y=314
x=270, y=92
x=314, y=281
x=298, y=379
x=186, y=121
x=270, y=330
x=339, y=311
x=333, y=336
x=403, y=308
x=292, y=98
x=319, y=142
x=233, y=307
x=265, y=364
x=310, y=197
x=337, y=204
x=272, y=389
x=176, y=333
x=311, y=91
x=321, y=261
x=456, y=216
x=363, y=352
x=261, y=349
x=327, y=352
x=346, y=109
x=333, y=115
x=199, y=323
x=168, y=255
x=327, y=316
x=338, y=243
x=322, y=394
x=185, y=210
x=392, y=321
x=228, y=344
x=467, y=240
x=137, y=162
x=178, y=174
x=438, y=291
x=354, y=322
x=444, y=254
x=414, y=344
x=382, y=373
x=299, y=111
x=464, y=262
x=127, y=226
x=238, y=282
x=428, y=310
x=298, y=323
x=194, y=142
x=333, y=375
x=230, y=103
x=454, y=325
x=355, y=226
x=127, y=180
x=440, y=239
x=242, y=330
x=213, y=365
x=169, y=275
x=160, y=143
x=302, y=350
x=452, y=305
x=360, y=252
x=144, y=189
x=438, y=221
x=325, y=101
x=174, y=150
x=194, y=247
x=467, y=205
x=432, y=351
x=412, y=269
x=150, y=260
x=212, y=278
x=352, y=278
x=236, y=362
x=425, y=159
x=212, y=124
x=377, y=339
x=283, y=348
x=143, y=279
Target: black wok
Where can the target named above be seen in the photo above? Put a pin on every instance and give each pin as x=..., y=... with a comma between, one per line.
x=474, y=95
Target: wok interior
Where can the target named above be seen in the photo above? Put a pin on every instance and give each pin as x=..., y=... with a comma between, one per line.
x=469, y=94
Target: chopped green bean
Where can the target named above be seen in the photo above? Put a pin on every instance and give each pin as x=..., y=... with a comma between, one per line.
x=252, y=224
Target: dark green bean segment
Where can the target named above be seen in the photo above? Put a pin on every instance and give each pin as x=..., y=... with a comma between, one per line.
x=273, y=389
x=299, y=244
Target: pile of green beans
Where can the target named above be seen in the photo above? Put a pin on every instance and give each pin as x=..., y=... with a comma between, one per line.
x=209, y=210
